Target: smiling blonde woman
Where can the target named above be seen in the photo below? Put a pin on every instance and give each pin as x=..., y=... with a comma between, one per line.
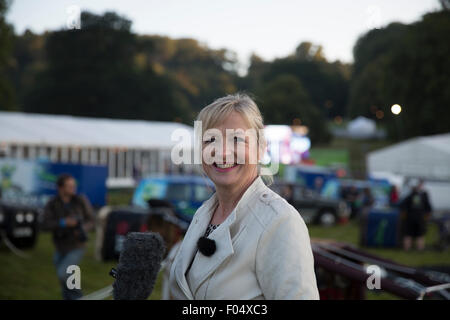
x=245, y=242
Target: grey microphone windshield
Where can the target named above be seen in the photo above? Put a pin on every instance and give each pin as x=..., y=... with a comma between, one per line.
x=138, y=267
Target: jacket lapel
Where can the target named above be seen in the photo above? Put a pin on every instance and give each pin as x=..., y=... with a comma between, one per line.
x=189, y=245
x=224, y=249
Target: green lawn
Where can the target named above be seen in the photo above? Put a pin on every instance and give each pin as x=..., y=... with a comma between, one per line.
x=35, y=278
x=348, y=152
x=329, y=156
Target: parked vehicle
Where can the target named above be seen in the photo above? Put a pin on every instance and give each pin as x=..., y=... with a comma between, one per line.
x=312, y=206
x=114, y=223
x=185, y=193
x=353, y=193
x=19, y=223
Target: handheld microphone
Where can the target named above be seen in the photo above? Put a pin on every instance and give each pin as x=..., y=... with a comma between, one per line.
x=139, y=264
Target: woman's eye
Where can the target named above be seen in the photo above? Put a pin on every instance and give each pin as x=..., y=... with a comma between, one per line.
x=238, y=139
x=212, y=139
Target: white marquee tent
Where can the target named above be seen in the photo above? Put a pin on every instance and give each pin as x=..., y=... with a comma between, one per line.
x=123, y=145
x=422, y=157
x=362, y=127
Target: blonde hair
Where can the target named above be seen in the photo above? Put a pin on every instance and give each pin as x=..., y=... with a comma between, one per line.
x=221, y=108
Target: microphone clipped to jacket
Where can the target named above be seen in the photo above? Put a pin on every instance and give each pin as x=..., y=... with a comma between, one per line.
x=138, y=267
x=206, y=246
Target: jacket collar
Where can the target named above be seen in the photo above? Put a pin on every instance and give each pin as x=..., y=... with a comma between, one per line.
x=222, y=236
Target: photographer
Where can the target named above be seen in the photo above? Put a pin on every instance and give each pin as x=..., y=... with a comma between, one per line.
x=68, y=216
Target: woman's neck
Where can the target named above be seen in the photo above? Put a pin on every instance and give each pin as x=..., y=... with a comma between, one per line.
x=228, y=198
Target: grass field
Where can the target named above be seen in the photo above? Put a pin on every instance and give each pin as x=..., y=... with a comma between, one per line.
x=35, y=278
x=346, y=152
x=329, y=156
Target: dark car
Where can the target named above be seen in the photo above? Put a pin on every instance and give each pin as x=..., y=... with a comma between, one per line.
x=184, y=193
x=19, y=216
x=312, y=206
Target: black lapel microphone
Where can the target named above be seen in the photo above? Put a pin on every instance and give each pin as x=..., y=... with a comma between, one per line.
x=206, y=246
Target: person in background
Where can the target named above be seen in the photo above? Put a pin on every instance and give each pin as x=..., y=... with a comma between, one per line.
x=416, y=209
x=318, y=185
x=393, y=196
x=68, y=216
x=352, y=195
x=367, y=200
x=288, y=193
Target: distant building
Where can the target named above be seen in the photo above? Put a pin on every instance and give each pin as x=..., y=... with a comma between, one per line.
x=130, y=148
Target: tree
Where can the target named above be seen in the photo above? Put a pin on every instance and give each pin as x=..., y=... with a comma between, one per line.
x=375, y=43
x=416, y=77
x=285, y=99
x=7, y=95
x=326, y=83
x=445, y=4
x=307, y=51
x=406, y=65
x=28, y=62
x=255, y=73
x=93, y=72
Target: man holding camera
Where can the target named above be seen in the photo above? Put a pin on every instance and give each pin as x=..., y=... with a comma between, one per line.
x=68, y=216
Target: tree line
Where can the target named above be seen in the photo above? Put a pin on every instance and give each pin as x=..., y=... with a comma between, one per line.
x=106, y=70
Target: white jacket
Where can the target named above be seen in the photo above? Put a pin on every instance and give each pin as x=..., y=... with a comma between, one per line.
x=263, y=252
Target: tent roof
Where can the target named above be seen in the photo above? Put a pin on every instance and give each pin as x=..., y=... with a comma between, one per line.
x=420, y=157
x=362, y=126
x=61, y=130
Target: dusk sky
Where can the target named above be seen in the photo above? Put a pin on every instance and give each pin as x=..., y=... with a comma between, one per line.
x=268, y=28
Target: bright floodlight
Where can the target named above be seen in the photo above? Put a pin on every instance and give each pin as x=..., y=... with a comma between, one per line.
x=396, y=109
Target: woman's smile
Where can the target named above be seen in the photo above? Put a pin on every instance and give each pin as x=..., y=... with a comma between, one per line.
x=225, y=167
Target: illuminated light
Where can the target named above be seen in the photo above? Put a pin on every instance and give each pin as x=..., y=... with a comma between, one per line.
x=19, y=217
x=286, y=158
x=277, y=132
x=300, y=144
x=286, y=144
x=379, y=114
x=29, y=217
x=341, y=173
x=396, y=109
x=303, y=130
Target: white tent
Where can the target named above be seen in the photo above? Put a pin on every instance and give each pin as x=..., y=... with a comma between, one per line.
x=29, y=128
x=362, y=127
x=422, y=157
x=123, y=145
x=426, y=158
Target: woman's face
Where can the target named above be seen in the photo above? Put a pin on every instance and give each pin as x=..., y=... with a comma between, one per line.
x=229, y=155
